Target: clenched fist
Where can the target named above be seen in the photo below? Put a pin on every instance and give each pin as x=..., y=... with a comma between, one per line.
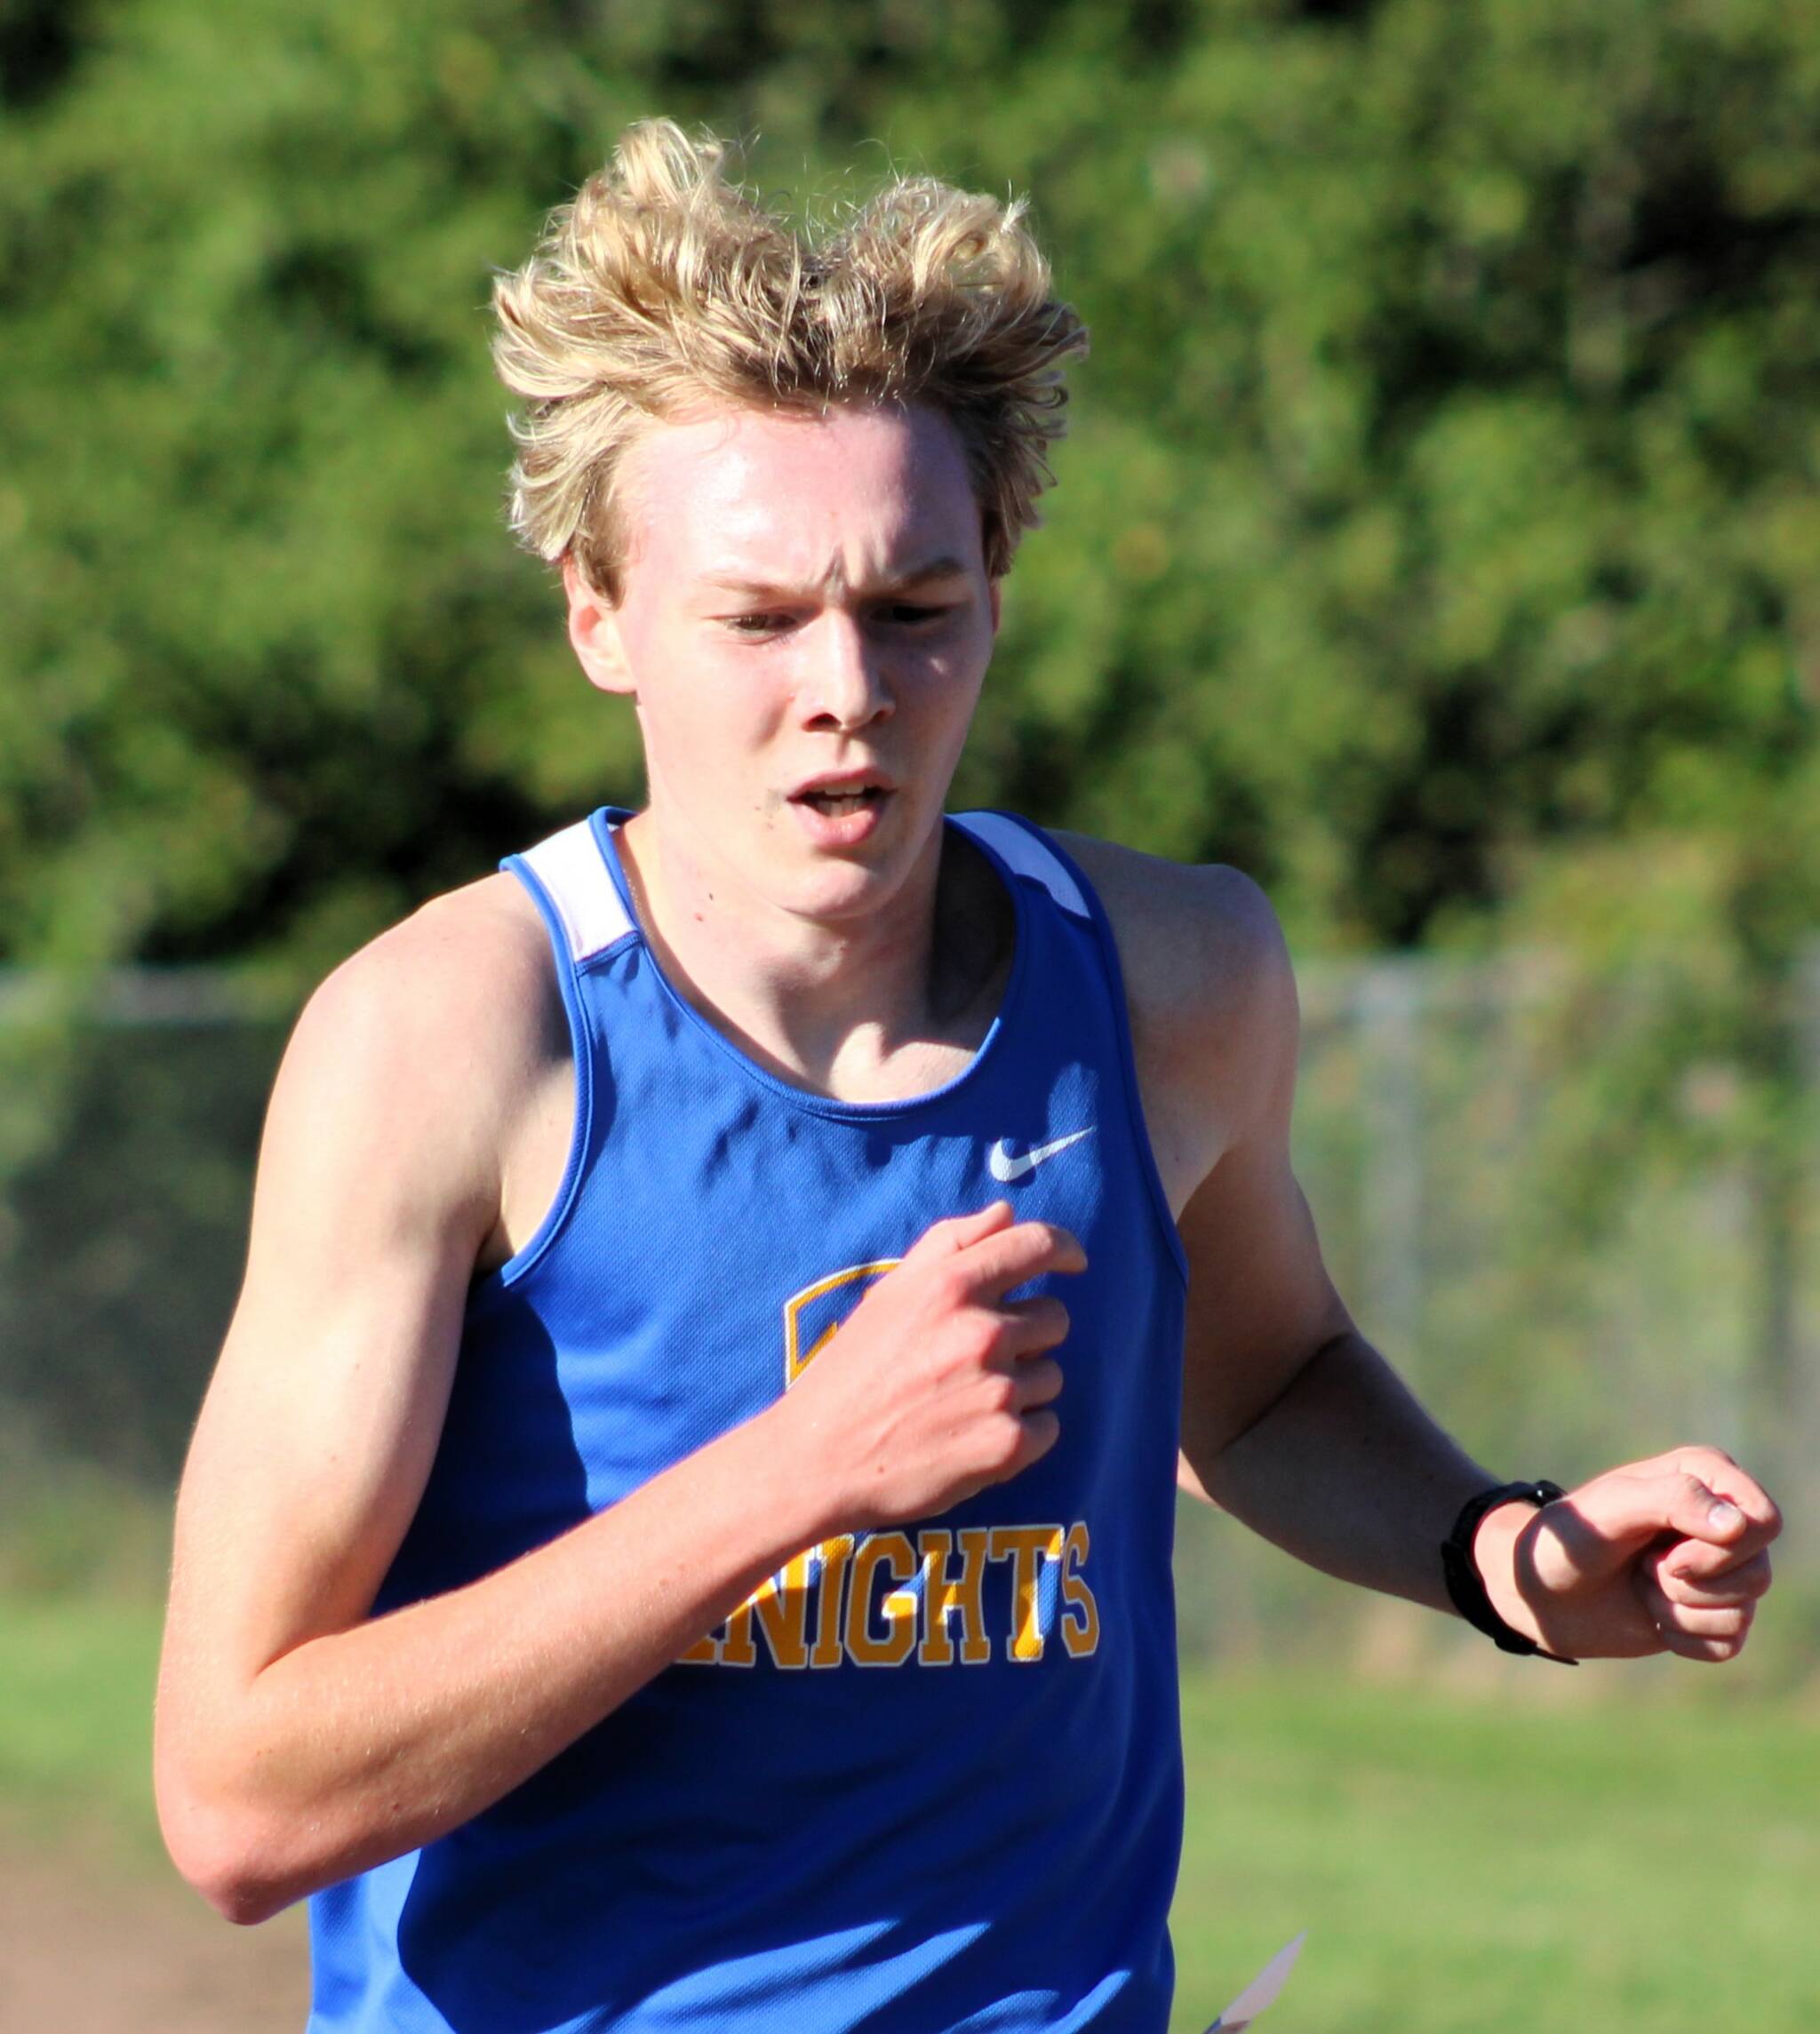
x=936, y=1385
x=1667, y=1555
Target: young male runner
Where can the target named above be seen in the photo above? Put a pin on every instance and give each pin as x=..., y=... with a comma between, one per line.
x=679, y=1535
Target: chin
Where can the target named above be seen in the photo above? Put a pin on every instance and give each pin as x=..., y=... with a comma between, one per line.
x=828, y=896
x=833, y=883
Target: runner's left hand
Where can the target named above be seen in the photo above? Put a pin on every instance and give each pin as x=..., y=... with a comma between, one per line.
x=1666, y=1555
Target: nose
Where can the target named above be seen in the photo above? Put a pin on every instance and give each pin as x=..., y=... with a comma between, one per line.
x=844, y=688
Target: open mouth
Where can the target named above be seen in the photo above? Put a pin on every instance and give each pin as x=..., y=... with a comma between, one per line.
x=841, y=804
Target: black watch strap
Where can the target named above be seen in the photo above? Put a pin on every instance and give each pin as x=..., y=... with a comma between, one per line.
x=1466, y=1586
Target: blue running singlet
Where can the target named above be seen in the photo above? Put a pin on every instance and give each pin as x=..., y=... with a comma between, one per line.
x=926, y=1777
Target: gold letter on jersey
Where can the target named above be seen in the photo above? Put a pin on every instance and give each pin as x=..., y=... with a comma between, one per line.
x=782, y=1604
x=1027, y=1547
x=943, y=1595
x=893, y=1552
x=1080, y=1637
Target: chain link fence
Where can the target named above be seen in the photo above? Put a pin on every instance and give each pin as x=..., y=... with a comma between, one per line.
x=1565, y=1286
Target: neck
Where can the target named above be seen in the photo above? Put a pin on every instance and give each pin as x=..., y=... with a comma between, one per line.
x=880, y=1006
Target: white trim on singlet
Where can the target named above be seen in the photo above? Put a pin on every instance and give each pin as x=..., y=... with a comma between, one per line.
x=587, y=901
x=1025, y=853
x=581, y=889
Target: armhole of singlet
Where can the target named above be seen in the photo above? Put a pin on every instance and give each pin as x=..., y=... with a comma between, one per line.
x=1027, y=851
x=575, y=896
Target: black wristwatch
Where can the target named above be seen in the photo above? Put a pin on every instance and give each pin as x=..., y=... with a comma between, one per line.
x=1466, y=1586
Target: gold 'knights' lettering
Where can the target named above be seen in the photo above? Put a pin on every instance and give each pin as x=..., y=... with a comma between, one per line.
x=835, y=1554
x=780, y=1604
x=944, y=1594
x=893, y=1552
x=877, y=1601
x=1026, y=1546
x=1079, y=1612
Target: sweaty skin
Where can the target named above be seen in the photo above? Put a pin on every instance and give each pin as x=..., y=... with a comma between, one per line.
x=805, y=623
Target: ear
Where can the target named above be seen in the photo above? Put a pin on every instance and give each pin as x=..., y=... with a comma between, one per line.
x=594, y=632
x=994, y=591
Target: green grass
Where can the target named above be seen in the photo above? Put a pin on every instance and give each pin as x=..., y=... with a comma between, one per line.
x=1476, y=1868
x=1623, y=1866
x=76, y=1676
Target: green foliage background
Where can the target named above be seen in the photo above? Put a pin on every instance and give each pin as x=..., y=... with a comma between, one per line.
x=1436, y=537
x=1441, y=497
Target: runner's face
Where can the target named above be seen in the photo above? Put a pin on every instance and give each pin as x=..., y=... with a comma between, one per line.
x=805, y=619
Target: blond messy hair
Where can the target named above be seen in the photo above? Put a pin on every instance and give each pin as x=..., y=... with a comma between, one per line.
x=664, y=282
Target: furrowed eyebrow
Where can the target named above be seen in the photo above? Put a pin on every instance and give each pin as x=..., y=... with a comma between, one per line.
x=943, y=568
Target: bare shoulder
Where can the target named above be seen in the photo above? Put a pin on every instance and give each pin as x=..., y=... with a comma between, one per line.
x=466, y=975
x=427, y=1042
x=1195, y=940
x=1210, y=991
x=461, y=969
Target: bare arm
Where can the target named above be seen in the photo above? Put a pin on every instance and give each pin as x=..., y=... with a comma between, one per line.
x=299, y=1739
x=1291, y=1420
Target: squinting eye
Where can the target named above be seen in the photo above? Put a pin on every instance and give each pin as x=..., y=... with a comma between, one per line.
x=908, y=614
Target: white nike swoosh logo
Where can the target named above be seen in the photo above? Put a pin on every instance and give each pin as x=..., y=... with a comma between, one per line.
x=1006, y=1169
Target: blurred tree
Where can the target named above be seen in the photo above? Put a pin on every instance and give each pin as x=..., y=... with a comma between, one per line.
x=1470, y=351
x=263, y=623
x=1439, y=542
x=1442, y=493
x=1437, y=539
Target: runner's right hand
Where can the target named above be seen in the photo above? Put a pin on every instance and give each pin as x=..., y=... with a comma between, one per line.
x=936, y=1385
